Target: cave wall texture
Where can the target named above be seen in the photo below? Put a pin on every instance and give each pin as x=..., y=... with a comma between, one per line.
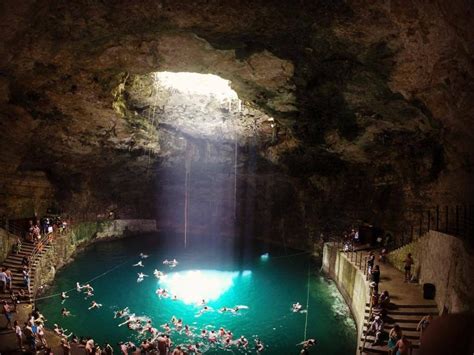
x=373, y=102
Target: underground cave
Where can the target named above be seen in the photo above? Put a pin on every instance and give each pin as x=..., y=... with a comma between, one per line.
x=281, y=177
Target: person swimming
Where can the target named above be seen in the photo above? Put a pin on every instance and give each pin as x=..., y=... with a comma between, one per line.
x=158, y=274
x=259, y=346
x=143, y=256
x=242, y=341
x=65, y=312
x=171, y=264
x=94, y=305
x=141, y=276
x=139, y=264
x=121, y=313
x=162, y=292
x=64, y=296
x=79, y=287
x=203, y=310
x=297, y=307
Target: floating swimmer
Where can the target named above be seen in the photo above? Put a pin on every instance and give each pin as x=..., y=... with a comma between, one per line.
x=158, y=274
x=161, y=292
x=238, y=308
x=79, y=287
x=172, y=263
x=296, y=307
x=65, y=312
x=143, y=256
x=141, y=276
x=121, y=313
x=307, y=343
x=89, y=293
x=259, y=346
x=94, y=304
x=139, y=264
x=242, y=341
x=203, y=310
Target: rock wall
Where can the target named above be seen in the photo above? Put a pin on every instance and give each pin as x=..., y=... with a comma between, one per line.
x=125, y=227
x=349, y=280
x=6, y=243
x=446, y=262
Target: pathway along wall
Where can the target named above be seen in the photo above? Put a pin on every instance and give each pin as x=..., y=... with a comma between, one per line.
x=349, y=280
x=79, y=237
x=445, y=261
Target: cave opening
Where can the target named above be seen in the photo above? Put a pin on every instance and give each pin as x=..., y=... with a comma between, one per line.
x=210, y=137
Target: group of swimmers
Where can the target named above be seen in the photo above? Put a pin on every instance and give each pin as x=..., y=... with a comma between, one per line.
x=159, y=338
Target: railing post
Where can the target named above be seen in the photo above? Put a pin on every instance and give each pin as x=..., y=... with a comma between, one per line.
x=437, y=217
x=457, y=219
x=429, y=220
x=421, y=225
x=447, y=219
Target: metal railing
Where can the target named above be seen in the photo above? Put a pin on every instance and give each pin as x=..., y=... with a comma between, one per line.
x=455, y=220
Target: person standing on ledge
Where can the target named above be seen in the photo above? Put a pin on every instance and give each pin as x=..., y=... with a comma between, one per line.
x=408, y=263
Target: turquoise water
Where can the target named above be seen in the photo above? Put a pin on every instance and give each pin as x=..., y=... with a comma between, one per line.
x=221, y=272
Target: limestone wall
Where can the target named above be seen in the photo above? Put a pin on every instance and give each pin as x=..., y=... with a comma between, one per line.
x=349, y=280
x=124, y=227
x=446, y=262
x=6, y=243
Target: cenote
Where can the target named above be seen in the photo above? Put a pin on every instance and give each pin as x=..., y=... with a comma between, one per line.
x=222, y=272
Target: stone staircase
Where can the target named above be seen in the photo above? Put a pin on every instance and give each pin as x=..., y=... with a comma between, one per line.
x=13, y=262
x=406, y=316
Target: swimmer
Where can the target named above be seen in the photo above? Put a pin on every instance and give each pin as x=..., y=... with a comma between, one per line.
x=130, y=319
x=259, y=346
x=212, y=336
x=143, y=256
x=64, y=296
x=307, y=343
x=296, y=307
x=89, y=293
x=178, y=324
x=161, y=292
x=158, y=274
x=194, y=349
x=65, y=312
x=174, y=298
x=203, y=302
x=203, y=333
x=141, y=276
x=88, y=287
x=94, y=304
x=139, y=264
x=238, y=308
x=204, y=309
x=121, y=313
x=166, y=327
x=223, y=310
x=78, y=287
x=172, y=263
x=243, y=342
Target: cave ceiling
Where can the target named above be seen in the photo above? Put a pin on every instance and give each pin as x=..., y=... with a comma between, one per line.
x=331, y=92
